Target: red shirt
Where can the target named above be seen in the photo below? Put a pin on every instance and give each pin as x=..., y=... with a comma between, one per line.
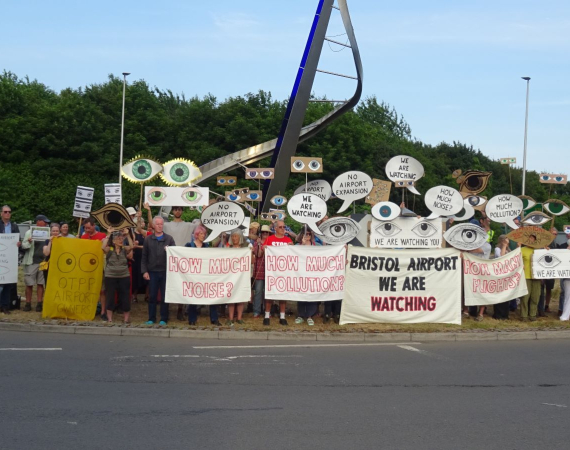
x=274, y=241
x=99, y=236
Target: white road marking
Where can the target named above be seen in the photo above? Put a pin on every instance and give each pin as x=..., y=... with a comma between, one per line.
x=423, y=352
x=554, y=404
x=412, y=349
x=304, y=345
x=31, y=349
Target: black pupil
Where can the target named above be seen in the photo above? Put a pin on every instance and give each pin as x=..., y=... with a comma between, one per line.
x=424, y=226
x=179, y=172
x=114, y=218
x=388, y=227
x=68, y=261
x=548, y=259
x=141, y=169
x=92, y=261
x=474, y=182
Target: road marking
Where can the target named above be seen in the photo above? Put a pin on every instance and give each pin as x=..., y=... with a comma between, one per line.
x=304, y=345
x=31, y=349
x=412, y=349
x=227, y=358
x=554, y=404
x=424, y=352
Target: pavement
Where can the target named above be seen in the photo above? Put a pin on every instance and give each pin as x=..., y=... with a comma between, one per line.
x=59, y=391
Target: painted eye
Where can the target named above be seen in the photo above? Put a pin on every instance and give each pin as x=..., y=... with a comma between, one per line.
x=314, y=165
x=253, y=196
x=388, y=229
x=242, y=191
x=556, y=207
x=400, y=183
x=385, y=211
x=298, y=165
x=278, y=215
x=548, y=261
x=339, y=230
x=473, y=181
x=278, y=200
x=179, y=172
x=559, y=179
x=267, y=174
x=528, y=202
x=424, y=229
x=545, y=178
x=141, y=170
x=536, y=218
x=233, y=197
x=566, y=229
x=475, y=201
x=88, y=262
x=465, y=236
x=66, y=262
x=221, y=181
x=231, y=180
x=411, y=183
x=113, y=215
x=191, y=196
x=156, y=195
x=251, y=173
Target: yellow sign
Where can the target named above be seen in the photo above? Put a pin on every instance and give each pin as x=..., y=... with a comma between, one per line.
x=74, y=279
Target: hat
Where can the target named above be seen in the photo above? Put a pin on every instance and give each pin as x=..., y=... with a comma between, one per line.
x=42, y=217
x=132, y=211
x=265, y=228
x=254, y=225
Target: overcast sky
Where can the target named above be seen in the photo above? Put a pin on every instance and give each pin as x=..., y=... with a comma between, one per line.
x=452, y=69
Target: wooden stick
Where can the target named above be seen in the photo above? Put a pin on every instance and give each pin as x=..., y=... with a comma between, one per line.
x=79, y=229
x=141, y=198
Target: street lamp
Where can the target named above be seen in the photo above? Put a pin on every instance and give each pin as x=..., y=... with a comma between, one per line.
x=527, y=79
x=123, y=128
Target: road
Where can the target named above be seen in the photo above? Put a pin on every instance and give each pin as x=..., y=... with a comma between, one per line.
x=102, y=392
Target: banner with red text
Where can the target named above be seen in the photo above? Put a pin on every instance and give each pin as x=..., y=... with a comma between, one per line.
x=402, y=286
x=304, y=273
x=208, y=276
x=492, y=281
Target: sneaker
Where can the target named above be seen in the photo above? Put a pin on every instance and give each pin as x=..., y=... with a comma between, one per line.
x=267, y=322
x=299, y=320
x=162, y=323
x=479, y=318
x=310, y=322
x=104, y=317
x=28, y=307
x=5, y=310
x=240, y=322
x=283, y=322
x=229, y=323
x=150, y=322
x=40, y=307
x=216, y=322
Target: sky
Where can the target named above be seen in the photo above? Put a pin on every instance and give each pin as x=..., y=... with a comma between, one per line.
x=452, y=69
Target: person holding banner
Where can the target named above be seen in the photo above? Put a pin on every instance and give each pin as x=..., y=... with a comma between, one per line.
x=117, y=276
x=501, y=310
x=259, y=271
x=306, y=310
x=32, y=274
x=64, y=230
x=529, y=302
x=236, y=241
x=7, y=226
x=276, y=240
x=198, y=242
x=54, y=233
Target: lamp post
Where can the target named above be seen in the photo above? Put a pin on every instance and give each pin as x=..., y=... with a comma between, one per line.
x=527, y=79
x=123, y=128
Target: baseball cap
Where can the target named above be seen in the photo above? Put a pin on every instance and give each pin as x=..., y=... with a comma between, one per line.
x=42, y=217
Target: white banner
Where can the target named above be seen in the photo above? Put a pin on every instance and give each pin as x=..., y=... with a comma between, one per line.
x=304, y=273
x=208, y=276
x=492, y=281
x=406, y=232
x=402, y=286
x=9, y=258
x=548, y=264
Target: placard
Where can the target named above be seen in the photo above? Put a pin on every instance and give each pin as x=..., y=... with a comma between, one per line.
x=504, y=209
x=351, y=186
x=9, y=258
x=321, y=188
x=379, y=193
x=492, y=281
x=306, y=164
x=307, y=209
x=549, y=264
x=304, y=273
x=176, y=196
x=83, y=202
x=113, y=193
x=208, y=276
x=40, y=233
x=406, y=232
x=551, y=178
x=402, y=286
x=220, y=217
x=405, y=171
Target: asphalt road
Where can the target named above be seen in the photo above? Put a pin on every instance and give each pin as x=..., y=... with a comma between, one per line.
x=101, y=392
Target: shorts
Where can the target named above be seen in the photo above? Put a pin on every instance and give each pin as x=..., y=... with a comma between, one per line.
x=33, y=275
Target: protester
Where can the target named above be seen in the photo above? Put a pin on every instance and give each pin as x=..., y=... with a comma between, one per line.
x=529, y=302
x=501, y=310
x=7, y=226
x=236, y=241
x=91, y=233
x=259, y=271
x=54, y=234
x=198, y=242
x=138, y=283
x=253, y=233
x=153, y=267
x=548, y=284
x=306, y=310
x=33, y=276
x=117, y=277
x=64, y=230
x=276, y=240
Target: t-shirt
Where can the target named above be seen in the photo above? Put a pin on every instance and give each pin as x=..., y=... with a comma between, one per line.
x=117, y=265
x=527, y=253
x=181, y=232
x=98, y=236
x=38, y=253
x=274, y=241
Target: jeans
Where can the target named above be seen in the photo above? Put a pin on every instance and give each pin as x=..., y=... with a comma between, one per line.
x=5, y=291
x=193, y=313
x=332, y=308
x=157, y=282
x=259, y=296
x=307, y=309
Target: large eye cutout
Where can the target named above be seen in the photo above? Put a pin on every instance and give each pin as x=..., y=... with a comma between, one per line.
x=278, y=200
x=141, y=170
x=156, y=196
x=548, y=261
x=259, y=174
x=266, y=174
x=253, y=196
x=305, y=164
x=473, y=181
x=385, y=211
x=66, y=262
x=536, y=218
x=475, y=201
x=465, y=236
x=424, y=229
x=314, y=165
x=180, y=172
x=191, y=196
x=528, y=202
x=113, y=215
x=388, y=229
x=88, y=262
x=556, y=207
x=339, y=230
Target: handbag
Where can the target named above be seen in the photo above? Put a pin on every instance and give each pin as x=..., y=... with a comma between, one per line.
x=44, y=265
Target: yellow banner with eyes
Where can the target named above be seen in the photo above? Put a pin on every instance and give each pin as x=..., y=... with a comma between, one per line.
x=74, y=279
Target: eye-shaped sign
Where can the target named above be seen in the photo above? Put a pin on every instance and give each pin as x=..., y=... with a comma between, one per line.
x=113, y=193
x=259, y=174
x=180, y=172
x=141, y=169
x=302, y=164
x=113, y=215
x=176, y=196
x=528, y=202
x=475, y=201
x=466, y=236
x=555, y=207
x=273, y=216
x=252, y=196
x=550, y=264
x=233, y=197
x=549, y=178
x=339, y=230
x=404, y=171
x=536, y=218
x=278, y=200
x=406, y=232
x=472, y=181
x=226, y=181
x=531, y=236
x=379, y=193
x=385, y=211
x=508, y=160
x=566, y=229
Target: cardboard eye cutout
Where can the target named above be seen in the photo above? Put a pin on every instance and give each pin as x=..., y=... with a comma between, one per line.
x=253, y=196
x=226, y=181
x=556, y=207
x=113, y=215
x=180, y=172
x=531, y=236
x=260, y=174
x=141, y=169
x=473, y=181
x=302, y=164
x=338, y=230
x=278, y=200
x=528, y=202
x=233, y=197
x=549, y=178
x=536, y=218
x=465, y=236
x=475, y=201
x=176, y=196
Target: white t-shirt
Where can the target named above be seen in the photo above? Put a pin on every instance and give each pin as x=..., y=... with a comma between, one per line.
x=181, y=232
